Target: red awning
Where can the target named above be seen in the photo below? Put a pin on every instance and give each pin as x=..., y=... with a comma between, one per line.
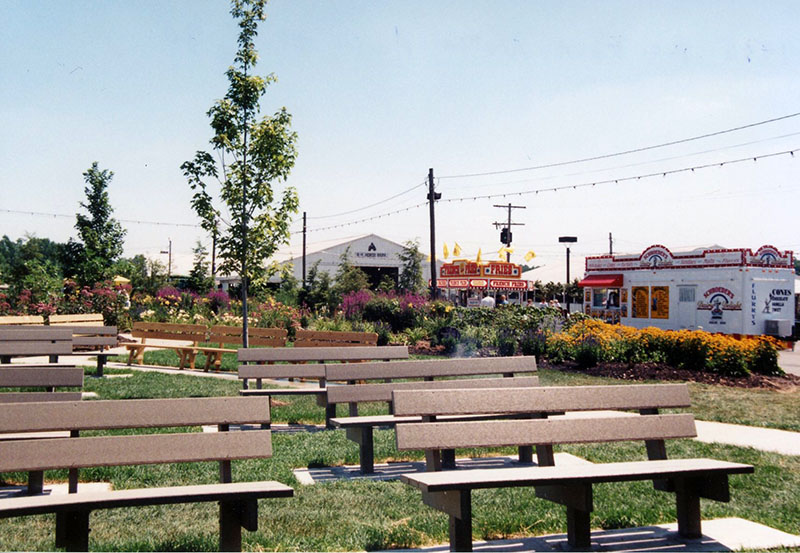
x=602, y=281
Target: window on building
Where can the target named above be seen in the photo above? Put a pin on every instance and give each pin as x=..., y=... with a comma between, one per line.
x=599, y=297
x=686, y=294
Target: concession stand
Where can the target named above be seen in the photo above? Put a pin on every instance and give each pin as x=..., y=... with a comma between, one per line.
x=731, y=291
x=464, y=281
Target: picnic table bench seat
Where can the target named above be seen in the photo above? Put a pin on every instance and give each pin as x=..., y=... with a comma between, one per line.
x=49, y=377
x=238, y=501
x=569, y=485
x=432, y=375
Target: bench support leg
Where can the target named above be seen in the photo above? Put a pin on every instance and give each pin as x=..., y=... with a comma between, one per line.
x=458, y=505
x=101, y=363
x=35, y=482
x=449, y=459
x=72, y=530
x=525, y=454
x=578, y=528
x=330, y=413
x=687, y=499
x=366, y=448
x=233, y=516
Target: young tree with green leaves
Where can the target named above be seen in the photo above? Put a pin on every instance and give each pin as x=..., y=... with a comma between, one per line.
x=411, y=278
x=101, y=234
x=254, y=153
x=200, y=280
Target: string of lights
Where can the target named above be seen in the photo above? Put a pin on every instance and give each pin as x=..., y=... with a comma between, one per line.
x=566, y=187
x=622, y=153
x=132, y=221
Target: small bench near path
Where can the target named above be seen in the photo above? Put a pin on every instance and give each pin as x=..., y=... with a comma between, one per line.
x=473, y=372
x=237, y=501
x=257, y=364
x=449, y=491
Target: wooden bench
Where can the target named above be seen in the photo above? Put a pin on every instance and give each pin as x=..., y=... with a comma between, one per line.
x=262, y=365
x=474, y=372
x=570, y=485
x=238, y=501
x=77, y=319
x=330, y=338
x=21, y=320
x=221, y=334
x=194, y=334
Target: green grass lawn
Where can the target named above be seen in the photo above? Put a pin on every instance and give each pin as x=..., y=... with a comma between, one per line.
x=359, y=515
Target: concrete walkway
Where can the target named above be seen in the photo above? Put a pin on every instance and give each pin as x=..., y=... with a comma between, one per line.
x=789, y=361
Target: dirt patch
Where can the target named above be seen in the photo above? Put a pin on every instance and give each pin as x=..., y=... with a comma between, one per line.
x=660, y=371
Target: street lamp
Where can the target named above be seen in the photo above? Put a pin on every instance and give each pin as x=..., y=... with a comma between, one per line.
x=567, y=240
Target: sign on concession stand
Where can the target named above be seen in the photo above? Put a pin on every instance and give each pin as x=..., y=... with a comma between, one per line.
x=492, y=276
x=733, y=291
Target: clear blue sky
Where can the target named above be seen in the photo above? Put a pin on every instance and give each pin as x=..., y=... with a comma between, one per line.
x=381, y=91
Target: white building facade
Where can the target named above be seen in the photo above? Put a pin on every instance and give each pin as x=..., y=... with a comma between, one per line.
x=731, y=291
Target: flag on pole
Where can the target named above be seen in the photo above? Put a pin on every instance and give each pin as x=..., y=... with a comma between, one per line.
x=478, y=259
x=501, y=253
x=530, y=255
x=446, y=251
x=456, y=250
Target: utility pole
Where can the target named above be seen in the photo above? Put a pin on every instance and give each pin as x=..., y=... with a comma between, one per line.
x=610, y=245
x=505, y=234
x=214, y=253
x=432, y=197
x=304, y=250
x=567, y=240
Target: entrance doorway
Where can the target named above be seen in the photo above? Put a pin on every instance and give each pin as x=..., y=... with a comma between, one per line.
x=377, y=274
x=687, y=307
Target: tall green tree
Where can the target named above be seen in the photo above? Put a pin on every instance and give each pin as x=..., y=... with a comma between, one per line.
x=411, y=278
x=101, y=234
x=255, y=153
x=200, y=280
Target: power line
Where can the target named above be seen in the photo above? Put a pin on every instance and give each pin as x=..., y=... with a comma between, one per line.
x=371, y=205
x=565, y=187
x=617, y=154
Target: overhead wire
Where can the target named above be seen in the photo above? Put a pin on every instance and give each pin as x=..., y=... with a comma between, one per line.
x=622, y=153
x=616, y=180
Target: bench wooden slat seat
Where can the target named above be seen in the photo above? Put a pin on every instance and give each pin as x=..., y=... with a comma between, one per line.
x=222, y=334
x=238, y=502
x=457, y=374
x=257, y=364
x=29, y=341
x=569, y=485
x=14, y=320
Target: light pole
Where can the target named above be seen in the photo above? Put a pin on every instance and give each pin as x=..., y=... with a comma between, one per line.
x=567, y=240
x=169, y=259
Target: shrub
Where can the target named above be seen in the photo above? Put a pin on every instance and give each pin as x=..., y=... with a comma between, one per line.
x=533, y=342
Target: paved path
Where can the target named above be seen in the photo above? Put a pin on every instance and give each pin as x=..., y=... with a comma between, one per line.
x=789, y=361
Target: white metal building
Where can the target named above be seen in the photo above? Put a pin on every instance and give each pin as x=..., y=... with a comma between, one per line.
x=733, y=291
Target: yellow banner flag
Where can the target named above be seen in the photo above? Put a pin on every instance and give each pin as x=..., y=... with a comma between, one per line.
x=429, y=258
x=501, y=253
x=530, y=255
x=456, y=250
x=478, y=259
x=446, y=251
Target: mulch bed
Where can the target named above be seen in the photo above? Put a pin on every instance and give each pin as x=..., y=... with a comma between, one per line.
x=660, y=371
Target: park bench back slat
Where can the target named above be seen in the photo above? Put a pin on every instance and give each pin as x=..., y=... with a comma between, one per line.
x=56, y=453
x=295, y=354
x=34, y=340
x=78, y=319
x=273, y=337
x=291, y=370
x=13, y=320
x=499, y=433
x=91, y=335
x=432, y=368
x=169, y=331
x=549, y=399
x=13, y=376
x=383, y=392
x=151, y=413
x=323, y=338
x=38, y=397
